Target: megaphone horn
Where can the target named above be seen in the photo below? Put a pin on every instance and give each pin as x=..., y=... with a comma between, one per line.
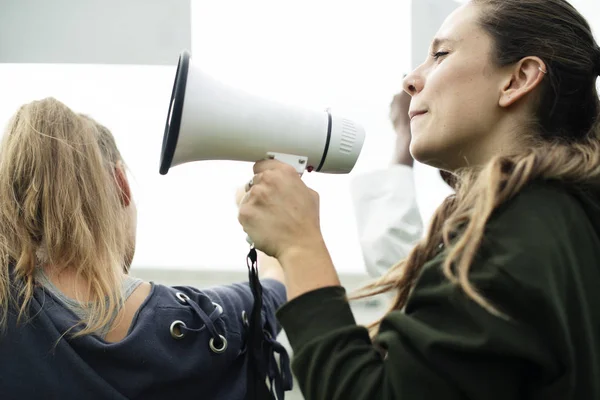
x=209, y=120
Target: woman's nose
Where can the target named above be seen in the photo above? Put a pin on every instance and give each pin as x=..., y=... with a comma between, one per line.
x=412, y=84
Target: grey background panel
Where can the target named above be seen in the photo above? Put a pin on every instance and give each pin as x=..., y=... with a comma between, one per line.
x=427, y=17
x=148, y=32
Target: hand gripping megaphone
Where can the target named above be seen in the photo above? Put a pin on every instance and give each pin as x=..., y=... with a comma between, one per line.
x=209, y=120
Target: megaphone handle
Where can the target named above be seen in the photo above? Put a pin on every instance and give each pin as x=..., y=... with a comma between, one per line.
x=298, y=162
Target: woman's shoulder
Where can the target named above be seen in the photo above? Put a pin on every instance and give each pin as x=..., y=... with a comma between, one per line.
x=546, y=229
x=541, y=208
x=238, y=292
x=237, y=295
x=232, y=303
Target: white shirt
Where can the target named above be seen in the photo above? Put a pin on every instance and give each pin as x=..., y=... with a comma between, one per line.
x=388, y=219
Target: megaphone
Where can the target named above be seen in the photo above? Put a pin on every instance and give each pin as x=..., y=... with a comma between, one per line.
x=209, y=120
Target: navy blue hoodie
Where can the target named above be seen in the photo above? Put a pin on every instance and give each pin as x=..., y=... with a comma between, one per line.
x=151, y=362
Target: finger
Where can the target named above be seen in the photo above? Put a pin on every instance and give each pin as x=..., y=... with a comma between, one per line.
x=249, y=185
x=243, y=199
x=252, y=182
x=265, y=165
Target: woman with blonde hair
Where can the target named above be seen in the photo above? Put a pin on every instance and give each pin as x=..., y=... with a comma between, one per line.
x=500, y=300
x=74, y=324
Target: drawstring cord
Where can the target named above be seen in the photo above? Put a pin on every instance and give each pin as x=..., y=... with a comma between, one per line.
x=217, y=342
x=262, y=346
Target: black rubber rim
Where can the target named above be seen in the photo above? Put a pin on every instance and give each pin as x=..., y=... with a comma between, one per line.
x=175, y=111
x=326, y=150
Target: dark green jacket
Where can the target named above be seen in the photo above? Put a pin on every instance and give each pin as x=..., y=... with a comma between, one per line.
x=539, y=264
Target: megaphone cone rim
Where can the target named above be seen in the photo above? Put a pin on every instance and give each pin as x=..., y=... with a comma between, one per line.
x=173, y=122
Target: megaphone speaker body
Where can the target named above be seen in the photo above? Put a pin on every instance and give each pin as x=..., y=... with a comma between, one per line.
x=209, y=120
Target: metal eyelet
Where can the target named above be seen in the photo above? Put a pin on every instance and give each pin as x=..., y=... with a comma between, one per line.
x=218, y=306
x=218, y=350
x=245, y=319
x=267, y=334
x=182, y=297
x=175, y=325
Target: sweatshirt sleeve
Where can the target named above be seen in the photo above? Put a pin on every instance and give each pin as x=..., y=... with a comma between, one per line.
x=236, y=299
x=442, y=347
x=387, y=216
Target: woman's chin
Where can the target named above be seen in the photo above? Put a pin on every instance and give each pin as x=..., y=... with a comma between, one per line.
x=426, y=154
x=421, y=149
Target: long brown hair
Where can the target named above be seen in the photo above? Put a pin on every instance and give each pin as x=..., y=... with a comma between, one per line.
x=60, y=205
x=564, y=144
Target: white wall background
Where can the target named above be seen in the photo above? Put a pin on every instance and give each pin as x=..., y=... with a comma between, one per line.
x=144, y=32
x=349, y=56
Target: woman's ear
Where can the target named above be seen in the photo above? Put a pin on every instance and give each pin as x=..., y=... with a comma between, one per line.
x=524, y=78
x=123, y=183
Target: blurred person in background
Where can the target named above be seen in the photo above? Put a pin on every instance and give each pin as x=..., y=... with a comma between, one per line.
x=500, y=299
x=75, y=324
x=385, y=200
x=385, y=203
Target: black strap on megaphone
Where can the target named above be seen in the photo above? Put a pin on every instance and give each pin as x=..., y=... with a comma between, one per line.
x=261, y=348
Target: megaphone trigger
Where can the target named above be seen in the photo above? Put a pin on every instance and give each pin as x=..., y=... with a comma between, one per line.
x=298, y=162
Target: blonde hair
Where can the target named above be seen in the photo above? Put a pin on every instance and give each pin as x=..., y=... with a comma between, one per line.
x=60, y=205
x=563, y=144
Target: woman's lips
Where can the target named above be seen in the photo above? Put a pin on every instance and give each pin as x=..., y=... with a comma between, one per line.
x=414, y=114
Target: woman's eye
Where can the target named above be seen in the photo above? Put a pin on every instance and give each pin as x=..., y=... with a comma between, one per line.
x=439, y=54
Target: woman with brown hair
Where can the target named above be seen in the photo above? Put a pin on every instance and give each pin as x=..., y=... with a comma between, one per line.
x=500, y=299
x=75, y=324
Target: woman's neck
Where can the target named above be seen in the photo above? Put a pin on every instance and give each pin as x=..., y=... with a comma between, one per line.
x=69, y=283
